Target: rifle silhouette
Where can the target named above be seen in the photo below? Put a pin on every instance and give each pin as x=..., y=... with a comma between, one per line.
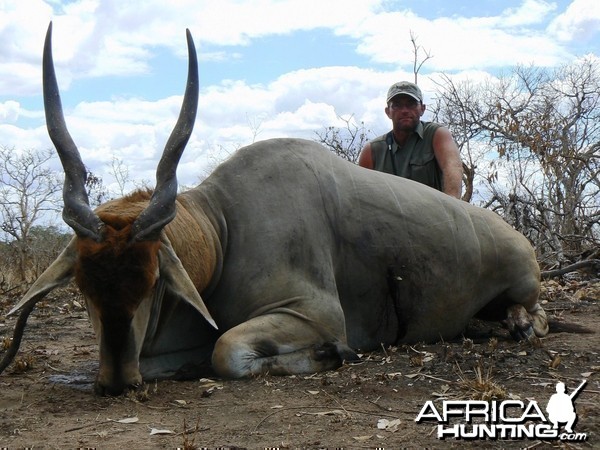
x=576, y=391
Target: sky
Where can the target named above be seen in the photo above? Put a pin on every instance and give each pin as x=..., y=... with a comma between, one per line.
x=268, y=68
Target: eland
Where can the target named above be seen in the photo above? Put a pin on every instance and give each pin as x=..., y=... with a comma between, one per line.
x=285, y=260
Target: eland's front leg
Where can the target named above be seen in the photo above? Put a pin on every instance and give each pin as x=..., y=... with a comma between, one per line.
x=279, y=344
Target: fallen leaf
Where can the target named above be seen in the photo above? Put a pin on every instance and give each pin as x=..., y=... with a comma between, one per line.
x=157, y=431
x=313, y=392
x=328, y=413
x=388, y=425
x=208, y=392
x=207, y=383
x=362, y=438
x=382, y=424
x=555, y=362
x=321, y=413
x=180, y=402
x=128, y=420
x=428, y=357
x=543, y=384
x=587, y=374
x=444, y=391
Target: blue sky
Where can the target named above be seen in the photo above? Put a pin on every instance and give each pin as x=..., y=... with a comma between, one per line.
x=267, y=68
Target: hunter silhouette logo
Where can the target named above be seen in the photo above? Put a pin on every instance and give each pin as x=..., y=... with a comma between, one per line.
x=506, y=419
x=560, y=407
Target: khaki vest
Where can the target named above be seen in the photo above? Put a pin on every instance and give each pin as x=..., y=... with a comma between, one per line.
x=415, y=160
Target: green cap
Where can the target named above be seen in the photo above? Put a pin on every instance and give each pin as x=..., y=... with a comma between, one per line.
x=405, y=88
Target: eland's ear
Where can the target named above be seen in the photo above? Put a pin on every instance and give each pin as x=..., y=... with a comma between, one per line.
x=178, y=281
x=58, y=274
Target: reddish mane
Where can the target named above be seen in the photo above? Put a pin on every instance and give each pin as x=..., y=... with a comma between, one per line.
x=117, y=273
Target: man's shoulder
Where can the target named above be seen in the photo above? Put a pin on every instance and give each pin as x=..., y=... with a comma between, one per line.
x=431, y=125
x=381, y=138
x=430, y=128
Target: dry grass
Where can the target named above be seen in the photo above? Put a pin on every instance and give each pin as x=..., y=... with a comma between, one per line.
x=189, y=443
x=481, y=386
x=23, y=363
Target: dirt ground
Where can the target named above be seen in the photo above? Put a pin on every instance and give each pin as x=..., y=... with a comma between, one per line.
x=47, y=400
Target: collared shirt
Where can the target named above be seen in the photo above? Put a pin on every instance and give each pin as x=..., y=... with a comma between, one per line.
x=414, y=160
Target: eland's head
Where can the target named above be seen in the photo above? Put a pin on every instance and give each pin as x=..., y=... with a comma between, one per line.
x=120, y=257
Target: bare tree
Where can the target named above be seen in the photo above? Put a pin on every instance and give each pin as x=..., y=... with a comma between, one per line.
x=346, y=142
x=120, y=172
x=28, y=190
x=456, y=106
x=254, y=125
x=96, y=191
x=545, y=128
x=222, y=152
x=418, y=64
x=47, y=241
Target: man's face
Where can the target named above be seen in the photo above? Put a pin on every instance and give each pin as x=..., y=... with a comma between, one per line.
x=405, y=112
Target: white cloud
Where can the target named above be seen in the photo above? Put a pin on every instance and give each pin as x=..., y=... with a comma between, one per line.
x=97, y=38
x=295, y=104
x=9, y=111
x=302, y=121
x=462, y=43
x=529, y=12
x=581, y=21
x=131, y=130
x=110, y=38
x=24, y=138
x=114, y=37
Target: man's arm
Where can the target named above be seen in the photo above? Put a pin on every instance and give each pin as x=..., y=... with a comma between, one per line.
x=365, y=159
x=448, y=158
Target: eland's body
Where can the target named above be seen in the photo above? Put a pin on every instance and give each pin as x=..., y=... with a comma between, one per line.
x=285, y=260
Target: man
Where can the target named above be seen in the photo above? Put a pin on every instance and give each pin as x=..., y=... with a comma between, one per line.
x=422, y=151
